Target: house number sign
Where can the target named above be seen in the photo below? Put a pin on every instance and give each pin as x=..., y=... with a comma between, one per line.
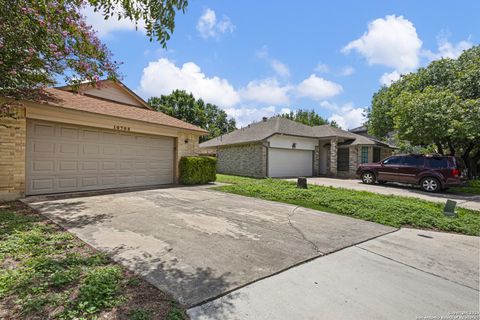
x=121, y=128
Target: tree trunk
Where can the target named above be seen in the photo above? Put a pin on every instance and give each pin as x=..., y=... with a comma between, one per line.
x=439, y=148
x=469, y=162
x=451, y=148
x=474, y=164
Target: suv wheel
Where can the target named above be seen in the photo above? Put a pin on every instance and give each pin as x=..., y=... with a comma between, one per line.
x=430, y=184
x=368, y=177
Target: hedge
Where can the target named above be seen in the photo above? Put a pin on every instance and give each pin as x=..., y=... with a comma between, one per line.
x=197, y=170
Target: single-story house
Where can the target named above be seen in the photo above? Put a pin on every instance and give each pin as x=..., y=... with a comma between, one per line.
x=278, y=147
x=89, y=139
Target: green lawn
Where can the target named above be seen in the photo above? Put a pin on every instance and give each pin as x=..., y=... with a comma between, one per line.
x=389, y=210
x=473, y=187
x=48, y=273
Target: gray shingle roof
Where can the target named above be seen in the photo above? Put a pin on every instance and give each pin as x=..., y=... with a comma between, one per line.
x=262, y=130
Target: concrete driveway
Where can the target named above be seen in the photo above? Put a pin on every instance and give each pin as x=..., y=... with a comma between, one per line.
x=407, y=274
x=464, y=201
x=197, y=244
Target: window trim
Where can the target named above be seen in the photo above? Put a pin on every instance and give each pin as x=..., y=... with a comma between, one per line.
x=364, y=155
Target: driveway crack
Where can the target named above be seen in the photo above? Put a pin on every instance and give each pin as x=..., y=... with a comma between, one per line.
x=302, y=235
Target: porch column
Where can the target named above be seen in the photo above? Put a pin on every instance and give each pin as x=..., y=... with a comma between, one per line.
x=333, y=156
x=316, y=161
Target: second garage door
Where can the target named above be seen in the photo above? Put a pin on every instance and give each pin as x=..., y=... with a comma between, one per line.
x=289, y=162
x=66, y=158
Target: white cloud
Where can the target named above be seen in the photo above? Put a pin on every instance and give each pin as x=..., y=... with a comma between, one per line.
x=163, y=76
x=391, y=41
x=446, y=49
x=245, y=115
x=104, y=27
x=318, y=88
x=322, y=68
x=267, y=91
x=279, y=67
x=346, y=71
x=387, y=78
x=209, y=27
x=347, y=116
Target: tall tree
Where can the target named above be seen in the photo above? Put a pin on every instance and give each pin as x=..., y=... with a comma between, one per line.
x=184, y=106
x=437, y=106
x=308, y=117
x=41, y=40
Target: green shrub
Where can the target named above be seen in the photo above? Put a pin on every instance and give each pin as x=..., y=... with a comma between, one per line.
x=197, y=170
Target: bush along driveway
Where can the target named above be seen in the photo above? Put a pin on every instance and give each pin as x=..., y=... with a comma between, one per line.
x=47, y=273
x=389, y=210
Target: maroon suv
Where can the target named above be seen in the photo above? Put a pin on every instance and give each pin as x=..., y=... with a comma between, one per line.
x=433, y=173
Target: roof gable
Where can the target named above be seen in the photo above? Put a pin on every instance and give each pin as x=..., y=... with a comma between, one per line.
x=112, y=91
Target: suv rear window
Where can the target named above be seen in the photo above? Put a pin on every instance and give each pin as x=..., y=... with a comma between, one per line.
x=437, y=163
x=414, y=161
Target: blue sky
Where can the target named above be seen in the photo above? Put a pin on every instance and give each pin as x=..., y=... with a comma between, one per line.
x=260, y=58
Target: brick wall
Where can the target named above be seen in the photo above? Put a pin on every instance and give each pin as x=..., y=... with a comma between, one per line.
x=332, y=170
x=187, y=145
x=12, y=152
x=243, y=160
x=316, y=162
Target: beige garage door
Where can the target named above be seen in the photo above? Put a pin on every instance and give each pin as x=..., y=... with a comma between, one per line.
x=65, y=158
x=289, y=163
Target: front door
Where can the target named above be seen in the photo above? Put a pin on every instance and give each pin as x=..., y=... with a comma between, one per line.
x=376, y=154
x=343, y=155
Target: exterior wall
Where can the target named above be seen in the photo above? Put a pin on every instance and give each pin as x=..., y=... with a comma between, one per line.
x=12, y=152
x=353, y=160
x=243, y=160
x=212, y=151
x=332, y=170
x=186, y=145
x=286, y=142
x=316, y=162
x=323, y=158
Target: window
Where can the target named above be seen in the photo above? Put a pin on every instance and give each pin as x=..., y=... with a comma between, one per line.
x=414, y=161
x=393, y=160
x=437, y=163
x=364, y=155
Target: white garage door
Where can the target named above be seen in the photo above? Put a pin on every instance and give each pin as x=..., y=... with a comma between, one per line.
x=65, y=158
x=289, y=163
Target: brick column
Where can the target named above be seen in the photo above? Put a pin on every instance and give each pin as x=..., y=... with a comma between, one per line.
x=316, y=161
x=187, y=145
x=333, y=156
x=354, y=160
x=12, y=151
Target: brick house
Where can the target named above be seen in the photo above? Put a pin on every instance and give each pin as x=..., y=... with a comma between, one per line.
x=94, y=138
x=279, y=147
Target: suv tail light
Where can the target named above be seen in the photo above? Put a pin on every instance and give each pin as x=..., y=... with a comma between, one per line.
x=455, y=173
